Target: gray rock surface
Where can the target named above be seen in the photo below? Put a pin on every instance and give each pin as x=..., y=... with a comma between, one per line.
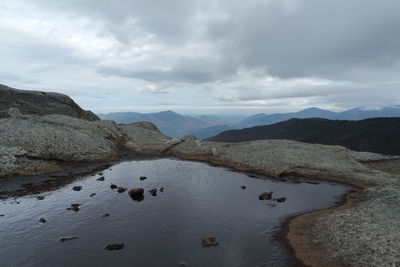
x=40, y=103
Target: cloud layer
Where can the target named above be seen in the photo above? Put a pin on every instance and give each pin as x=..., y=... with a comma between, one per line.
x=204, y=56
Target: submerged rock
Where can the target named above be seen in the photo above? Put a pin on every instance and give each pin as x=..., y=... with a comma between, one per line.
x=243, y=187
x=209, y=241
x=153, y=192
x=74, y=207
x=142, y=178
x=42, y=220
x=137, y=194
x=121, y=189
x=265, y=196
x=113, y=186
x=77, y=188
x=68, y=238
x=40, y=197
x=115, y=246
x=101, y=178
x=105, y=215
x=161, y=189
x=92, y=195
x=281, y=199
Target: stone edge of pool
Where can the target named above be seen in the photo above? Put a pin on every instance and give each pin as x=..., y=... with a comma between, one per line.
x=362, y=231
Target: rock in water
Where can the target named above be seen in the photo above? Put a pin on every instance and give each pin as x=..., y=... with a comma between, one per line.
x=42, y=220
x=265, y=196
x=142, y=178
x=161, y=189
x=40, y=197
x=153, y=192
x=115, y=246
x=74, y=207
x=137, y=194
x=209, y=241
x=105, y=215
x=243, y=187
x=281, y=199
x=77, y=188
x=92, y=195
x=100, y=179
x=113, y=186
x=68, y=238
x=121, y=189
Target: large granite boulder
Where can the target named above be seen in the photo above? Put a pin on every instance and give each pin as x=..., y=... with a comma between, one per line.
x=40, y=103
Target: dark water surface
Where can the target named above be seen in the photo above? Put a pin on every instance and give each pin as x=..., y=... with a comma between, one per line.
x=164, y=230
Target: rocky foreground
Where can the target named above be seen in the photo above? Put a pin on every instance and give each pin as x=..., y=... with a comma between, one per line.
x=39, y=132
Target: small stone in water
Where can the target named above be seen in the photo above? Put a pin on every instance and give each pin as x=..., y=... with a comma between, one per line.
x=265, y=195
x=143, y=178
x=113, y=186
x=105, y=215
x=42, y=220
x=153, y=192
x=40, y=197
x=74, y=207
x=161, y=189
x=77, y=188
x=115, y=246
x=92, y=195
x=121, y=189
x=209, y=241
x=243, y=187
x=68, y=238
x=100, y=179
x=281, y=199
x=137, y=194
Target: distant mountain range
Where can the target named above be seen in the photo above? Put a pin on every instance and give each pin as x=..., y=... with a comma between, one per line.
x=174, y=124
x=177, y=125
x=352, y=114
x=379, y=135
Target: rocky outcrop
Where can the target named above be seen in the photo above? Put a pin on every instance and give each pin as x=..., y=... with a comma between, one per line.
x=41, y=103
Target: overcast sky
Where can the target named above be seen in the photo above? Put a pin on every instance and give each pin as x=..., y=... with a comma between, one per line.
x=202, y=57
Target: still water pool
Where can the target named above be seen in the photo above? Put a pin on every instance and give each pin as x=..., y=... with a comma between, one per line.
x=198, y=200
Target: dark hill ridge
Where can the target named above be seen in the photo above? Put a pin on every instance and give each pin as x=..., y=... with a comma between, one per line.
x=379, y=135
x=41, y=103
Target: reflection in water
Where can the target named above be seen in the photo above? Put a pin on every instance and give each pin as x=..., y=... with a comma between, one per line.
x=165, y=228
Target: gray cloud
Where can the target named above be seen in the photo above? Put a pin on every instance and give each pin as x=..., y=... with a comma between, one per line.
x=333, y=53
